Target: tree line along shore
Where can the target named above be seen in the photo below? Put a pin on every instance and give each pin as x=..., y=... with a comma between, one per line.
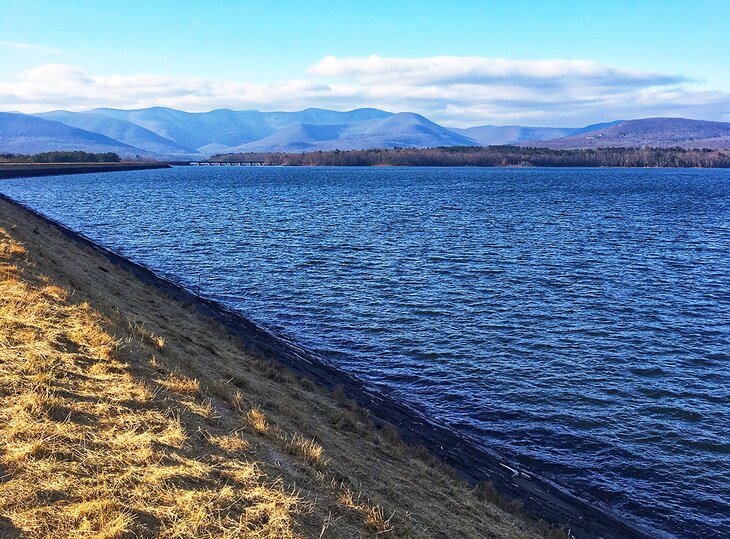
x=492, y=156
x=449, y=156
x=60, y=163
x=61, y=157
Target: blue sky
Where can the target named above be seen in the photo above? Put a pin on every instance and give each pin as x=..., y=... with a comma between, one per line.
x=461, y=63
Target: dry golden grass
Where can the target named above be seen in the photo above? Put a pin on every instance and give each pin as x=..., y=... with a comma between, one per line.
x=180, y=384
x=91, y=452
x=232, y=443
x=258, y=421
x=124, y=413
x=372, y=515
x=309, y=449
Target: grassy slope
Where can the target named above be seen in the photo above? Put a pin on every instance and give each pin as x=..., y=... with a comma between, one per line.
x=124, y=414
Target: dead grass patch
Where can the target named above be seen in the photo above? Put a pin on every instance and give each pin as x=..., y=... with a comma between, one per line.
x=310, y=450
x=181, y=384
x=114, y=457
x=257, y=420
x=230, y=443
x=373, y=516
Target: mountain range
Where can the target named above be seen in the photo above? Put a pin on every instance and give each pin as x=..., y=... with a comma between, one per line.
x=165, y=133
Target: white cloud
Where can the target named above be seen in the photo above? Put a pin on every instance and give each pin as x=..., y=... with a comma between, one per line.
x=457, y=91
x=483, y=70
x=66, y=86
x=28, y=46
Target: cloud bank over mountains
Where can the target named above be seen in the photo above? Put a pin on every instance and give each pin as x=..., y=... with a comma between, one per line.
x=453, y=90
x=481, y=70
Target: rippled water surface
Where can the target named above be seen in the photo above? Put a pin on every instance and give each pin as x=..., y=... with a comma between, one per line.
x=576, y=320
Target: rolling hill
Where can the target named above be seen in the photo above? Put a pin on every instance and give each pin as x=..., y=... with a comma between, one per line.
x=222, y=129
x=490, y=135
x=196, y=129
x=406, y=130
x=648, y=132
x=120, y=130
x=25, y=134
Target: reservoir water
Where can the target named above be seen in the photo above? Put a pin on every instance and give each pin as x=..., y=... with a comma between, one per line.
x=576, y=320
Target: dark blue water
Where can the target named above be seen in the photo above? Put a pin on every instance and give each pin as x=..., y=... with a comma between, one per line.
x=577, y=320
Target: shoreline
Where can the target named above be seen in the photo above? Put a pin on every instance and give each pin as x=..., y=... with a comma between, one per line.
x=541, y=498
x=26, y=170
x=190, y=429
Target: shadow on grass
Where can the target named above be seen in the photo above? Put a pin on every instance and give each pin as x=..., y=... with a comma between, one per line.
x=8, y=530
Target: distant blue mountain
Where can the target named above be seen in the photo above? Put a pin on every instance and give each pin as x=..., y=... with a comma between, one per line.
x=294, y=137
x=193, y=130
x=121, y=130
x=489, y=135
x=646, y=132
x=25, y=134
x=313, y=116
x=406, y=130
x=225, y=128
x=177, y=135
